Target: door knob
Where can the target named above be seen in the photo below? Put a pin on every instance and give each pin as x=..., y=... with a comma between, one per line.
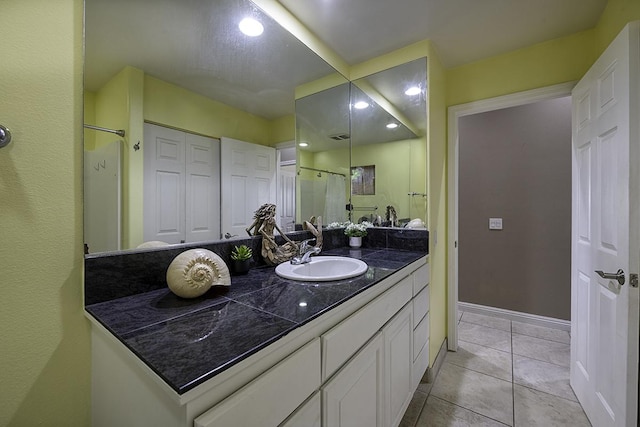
x=229, y=235
x=619, y=276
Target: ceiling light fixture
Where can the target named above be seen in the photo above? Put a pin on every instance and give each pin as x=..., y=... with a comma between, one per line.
x=303, y=144
x=361, y=105
x=251, y=27
x=412, y=91
x=392, y=125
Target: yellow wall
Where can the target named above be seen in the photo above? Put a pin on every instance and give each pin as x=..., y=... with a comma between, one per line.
x=44, y=338
x=174, y=106
x=436, y=162
x=89, y=118
x=556, y=61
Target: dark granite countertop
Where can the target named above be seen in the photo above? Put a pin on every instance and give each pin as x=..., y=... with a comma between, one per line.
x=187, y=342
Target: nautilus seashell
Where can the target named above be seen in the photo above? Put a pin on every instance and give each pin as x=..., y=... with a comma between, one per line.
x=193, y=272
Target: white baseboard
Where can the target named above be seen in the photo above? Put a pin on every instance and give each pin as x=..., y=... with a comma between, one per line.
x=531, y=319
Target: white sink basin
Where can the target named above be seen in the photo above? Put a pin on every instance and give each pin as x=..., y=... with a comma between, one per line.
x=322, y=269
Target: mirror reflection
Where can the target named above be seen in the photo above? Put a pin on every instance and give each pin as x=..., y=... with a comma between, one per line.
x=362, y=147
x=390, y=135
x=212, y=96
x=323, y=140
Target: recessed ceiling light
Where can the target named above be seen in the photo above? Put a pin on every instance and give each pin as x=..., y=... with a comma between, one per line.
x=251, y=27
x=360, y=105
x=303, y=144
x=392, y=125
x=302, y=304
x=413, y=90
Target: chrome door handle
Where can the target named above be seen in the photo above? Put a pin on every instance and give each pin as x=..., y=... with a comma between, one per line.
x=229, y=235
x=619, y=276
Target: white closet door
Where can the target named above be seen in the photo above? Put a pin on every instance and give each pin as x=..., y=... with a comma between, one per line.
x=248, y=180
x=202, y=188
x=164, y=184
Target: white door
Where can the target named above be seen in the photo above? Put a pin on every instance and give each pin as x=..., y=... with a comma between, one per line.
x=248, y=180
x=202, y=188
x=164, y=184
x=287, y=199
x=606, y=227
x=181, y=186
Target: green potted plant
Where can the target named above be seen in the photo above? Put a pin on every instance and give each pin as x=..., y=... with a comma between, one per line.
x=241, y=259
x=356, y=232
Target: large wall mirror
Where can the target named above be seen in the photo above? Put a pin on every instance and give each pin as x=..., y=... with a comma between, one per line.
x=184, y=69
x=185, y=84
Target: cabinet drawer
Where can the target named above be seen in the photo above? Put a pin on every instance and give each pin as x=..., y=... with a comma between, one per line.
x=420, y=336
x=341, y=342
x=269, y=399
x=420, y=306
x=420, y=278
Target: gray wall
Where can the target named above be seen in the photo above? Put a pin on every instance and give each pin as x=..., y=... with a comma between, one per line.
x=515, y=164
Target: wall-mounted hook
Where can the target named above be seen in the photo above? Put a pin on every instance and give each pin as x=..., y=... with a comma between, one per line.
x=136, y=146
x=5, y=136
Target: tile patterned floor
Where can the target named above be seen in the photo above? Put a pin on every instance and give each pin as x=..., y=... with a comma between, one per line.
x=505, y=373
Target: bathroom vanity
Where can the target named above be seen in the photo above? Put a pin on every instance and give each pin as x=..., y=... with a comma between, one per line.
x=267, y=351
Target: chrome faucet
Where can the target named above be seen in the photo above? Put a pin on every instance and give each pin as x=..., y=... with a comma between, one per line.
x=305, y=252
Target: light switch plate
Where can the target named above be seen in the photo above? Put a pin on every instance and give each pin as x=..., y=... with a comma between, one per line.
x=495, y=223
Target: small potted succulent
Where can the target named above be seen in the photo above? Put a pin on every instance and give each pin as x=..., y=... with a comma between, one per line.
x=356, y=232
x=241, y=259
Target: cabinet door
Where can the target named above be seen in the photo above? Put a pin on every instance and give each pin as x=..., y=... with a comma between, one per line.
x=398, y=355
x=307, y=415
x=354, y=396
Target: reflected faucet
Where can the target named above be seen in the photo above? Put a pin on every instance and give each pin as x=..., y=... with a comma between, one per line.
x=305, y=252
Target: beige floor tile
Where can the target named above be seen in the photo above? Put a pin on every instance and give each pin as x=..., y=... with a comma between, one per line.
x=541, y=332
x=489, y=321
x=542, y=376
x=413, y=411
x=545, y=350
x=482, y=359
x=482, y=335
x=439, y=413
x=535, y=408
x=477, y=392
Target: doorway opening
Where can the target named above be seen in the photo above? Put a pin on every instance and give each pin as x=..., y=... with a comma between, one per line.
x=456, y=115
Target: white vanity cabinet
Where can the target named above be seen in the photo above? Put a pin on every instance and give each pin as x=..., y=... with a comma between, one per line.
x=356, y=365
x=374, y=387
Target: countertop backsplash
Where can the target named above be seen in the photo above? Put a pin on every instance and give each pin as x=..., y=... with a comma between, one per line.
x=116, y=275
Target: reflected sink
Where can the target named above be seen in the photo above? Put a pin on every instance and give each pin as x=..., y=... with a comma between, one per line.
x=323, y=269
